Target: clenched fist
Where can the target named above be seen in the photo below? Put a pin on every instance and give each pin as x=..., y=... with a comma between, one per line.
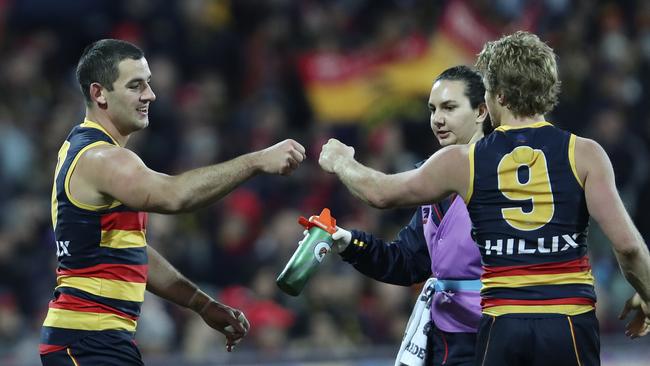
x=333, y=152
x=282, y=158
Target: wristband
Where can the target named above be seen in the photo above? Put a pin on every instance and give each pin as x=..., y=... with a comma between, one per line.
x=189, y=303
x=205, y=307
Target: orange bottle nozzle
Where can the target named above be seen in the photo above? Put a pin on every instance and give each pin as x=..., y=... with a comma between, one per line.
x=324, y=221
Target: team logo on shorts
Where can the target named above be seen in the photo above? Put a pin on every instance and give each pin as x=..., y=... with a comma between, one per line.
x=320, y=250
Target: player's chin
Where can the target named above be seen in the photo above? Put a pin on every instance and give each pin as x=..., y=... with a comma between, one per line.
x=142, y=122
x=446, y=141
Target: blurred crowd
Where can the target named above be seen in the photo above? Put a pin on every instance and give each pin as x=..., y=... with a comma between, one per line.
x=226, y=80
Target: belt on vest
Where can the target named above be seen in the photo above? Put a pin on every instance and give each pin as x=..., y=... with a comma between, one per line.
x=457, y=285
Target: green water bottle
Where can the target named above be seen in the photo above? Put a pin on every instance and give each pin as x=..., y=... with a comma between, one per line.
x=309, y=255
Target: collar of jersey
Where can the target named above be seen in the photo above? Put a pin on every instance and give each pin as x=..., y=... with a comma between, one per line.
x=532, y=125
x=90, y=124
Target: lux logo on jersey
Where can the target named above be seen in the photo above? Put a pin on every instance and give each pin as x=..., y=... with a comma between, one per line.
x=497, y=248
x=62, y=248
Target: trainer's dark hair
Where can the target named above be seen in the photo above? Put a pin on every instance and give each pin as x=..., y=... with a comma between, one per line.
x=99, y=63
x=474, y=88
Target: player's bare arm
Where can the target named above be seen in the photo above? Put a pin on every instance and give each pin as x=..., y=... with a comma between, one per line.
x=106, y=173
x=165, y=281
x=605, y=206
x=445, y=172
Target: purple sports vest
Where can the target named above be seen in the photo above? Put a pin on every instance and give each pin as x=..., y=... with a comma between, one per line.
x=454, y=256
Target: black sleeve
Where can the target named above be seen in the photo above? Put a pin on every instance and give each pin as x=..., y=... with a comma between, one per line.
x=404, y=261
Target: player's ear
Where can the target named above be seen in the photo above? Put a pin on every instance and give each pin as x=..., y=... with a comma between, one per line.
x=482, y=113
x=501, y=99
x=97, y=94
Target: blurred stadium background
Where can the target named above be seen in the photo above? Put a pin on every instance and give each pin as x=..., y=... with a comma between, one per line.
x=233, y=76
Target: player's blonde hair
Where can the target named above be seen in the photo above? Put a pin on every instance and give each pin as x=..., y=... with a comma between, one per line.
x=523, y=69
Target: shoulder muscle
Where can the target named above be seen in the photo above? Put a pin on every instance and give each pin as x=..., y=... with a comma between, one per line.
x=591, y=159
x=121, y=174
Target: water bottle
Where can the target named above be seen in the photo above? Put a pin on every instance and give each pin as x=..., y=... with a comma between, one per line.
x=309, y=255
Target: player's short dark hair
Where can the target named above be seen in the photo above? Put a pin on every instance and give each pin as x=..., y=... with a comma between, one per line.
x=474, y=88
x=99, y=63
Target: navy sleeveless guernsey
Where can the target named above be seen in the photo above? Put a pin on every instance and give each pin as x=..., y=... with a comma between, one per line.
x=102, y=257
x=530, y=218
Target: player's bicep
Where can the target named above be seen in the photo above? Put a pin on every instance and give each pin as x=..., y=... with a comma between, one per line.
x=438, y=177
x=122, y=175
x=603, y=201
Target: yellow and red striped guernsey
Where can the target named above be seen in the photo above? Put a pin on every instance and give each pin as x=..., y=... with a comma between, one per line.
x=102, y=257
x=530, y=218
x=559, y=287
